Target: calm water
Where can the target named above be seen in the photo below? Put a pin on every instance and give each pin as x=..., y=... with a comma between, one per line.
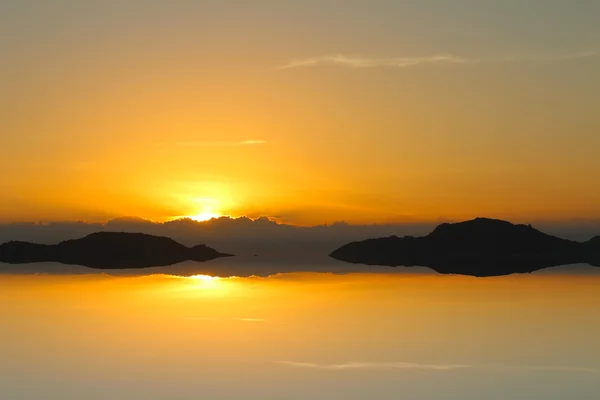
x=300, y=336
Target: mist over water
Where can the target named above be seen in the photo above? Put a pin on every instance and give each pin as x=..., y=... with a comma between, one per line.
x=383, y=334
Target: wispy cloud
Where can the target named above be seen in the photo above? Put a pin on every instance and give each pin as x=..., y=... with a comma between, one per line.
x=241, y=143
x=433, y=367
x=373, y=365
x=558, y=368
x=366, y=62
x=555, y=57
x=226, y=319
x=440, y=59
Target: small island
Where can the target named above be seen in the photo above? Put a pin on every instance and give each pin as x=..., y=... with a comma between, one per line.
x=109, y=250
x=480, y=247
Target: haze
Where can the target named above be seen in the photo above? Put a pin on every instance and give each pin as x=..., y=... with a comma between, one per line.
x=306, y=111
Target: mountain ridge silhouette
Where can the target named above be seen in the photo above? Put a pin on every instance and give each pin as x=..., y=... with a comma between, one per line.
x=478, y=247
x=109, y=250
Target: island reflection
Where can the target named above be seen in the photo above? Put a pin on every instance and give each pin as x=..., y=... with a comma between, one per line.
x=163, y=337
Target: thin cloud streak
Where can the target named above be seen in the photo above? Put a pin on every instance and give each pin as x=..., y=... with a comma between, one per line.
x=558, y=368
x=364, y=62
x=241, y=143
x=373, y=365
x=433, y=367
x=226, y=319
x=403, y=62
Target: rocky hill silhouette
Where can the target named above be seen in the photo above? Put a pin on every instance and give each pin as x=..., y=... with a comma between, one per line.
x=108, y=250
x=480, y=247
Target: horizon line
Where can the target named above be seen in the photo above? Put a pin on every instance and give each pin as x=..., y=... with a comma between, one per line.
x=282, y=222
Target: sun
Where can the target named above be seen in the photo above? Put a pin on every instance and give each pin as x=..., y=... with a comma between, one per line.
x=204, y=216
x=205, y=278
x=204, y=209
x=206, y=281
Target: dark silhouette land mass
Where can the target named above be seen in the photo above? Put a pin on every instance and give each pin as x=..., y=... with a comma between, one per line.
x=480, y=247
x=109, y=250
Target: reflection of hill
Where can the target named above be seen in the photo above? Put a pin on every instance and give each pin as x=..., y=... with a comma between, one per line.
x=481, y=247
x=244, y=236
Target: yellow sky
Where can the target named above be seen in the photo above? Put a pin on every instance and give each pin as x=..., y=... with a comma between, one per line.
x=171, y=113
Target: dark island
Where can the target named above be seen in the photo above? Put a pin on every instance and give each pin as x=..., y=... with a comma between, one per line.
x=109, y=250
x=480, y=247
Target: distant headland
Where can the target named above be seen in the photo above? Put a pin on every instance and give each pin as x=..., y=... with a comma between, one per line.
x=109, y=250
x=480, y=247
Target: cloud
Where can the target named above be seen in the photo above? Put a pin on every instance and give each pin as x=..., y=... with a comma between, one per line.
x=556, y=57
x=226, y=319
x=558, y=368
x=241, y=143
x=246, y=142
x=433, y=367
x=373, y=365
x=365, y=62
x=252, y=319
x=440, y=59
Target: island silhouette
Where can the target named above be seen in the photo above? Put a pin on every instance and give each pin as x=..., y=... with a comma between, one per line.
x=479, y=247
x=109, y=250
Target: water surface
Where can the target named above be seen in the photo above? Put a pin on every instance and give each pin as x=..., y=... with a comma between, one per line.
x=299, y=336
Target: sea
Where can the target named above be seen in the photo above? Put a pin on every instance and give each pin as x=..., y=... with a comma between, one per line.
x=270, y=329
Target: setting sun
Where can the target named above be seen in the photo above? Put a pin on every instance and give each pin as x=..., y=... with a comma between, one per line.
x=205, y=216
x=206, y=282
x=205, y=278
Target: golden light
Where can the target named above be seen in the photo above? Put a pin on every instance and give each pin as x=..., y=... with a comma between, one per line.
x=204, y=216
x=205, y=278
x=207, y=209
x=206, y=281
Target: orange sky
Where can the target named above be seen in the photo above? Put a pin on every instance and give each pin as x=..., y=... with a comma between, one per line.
x=168, y=112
